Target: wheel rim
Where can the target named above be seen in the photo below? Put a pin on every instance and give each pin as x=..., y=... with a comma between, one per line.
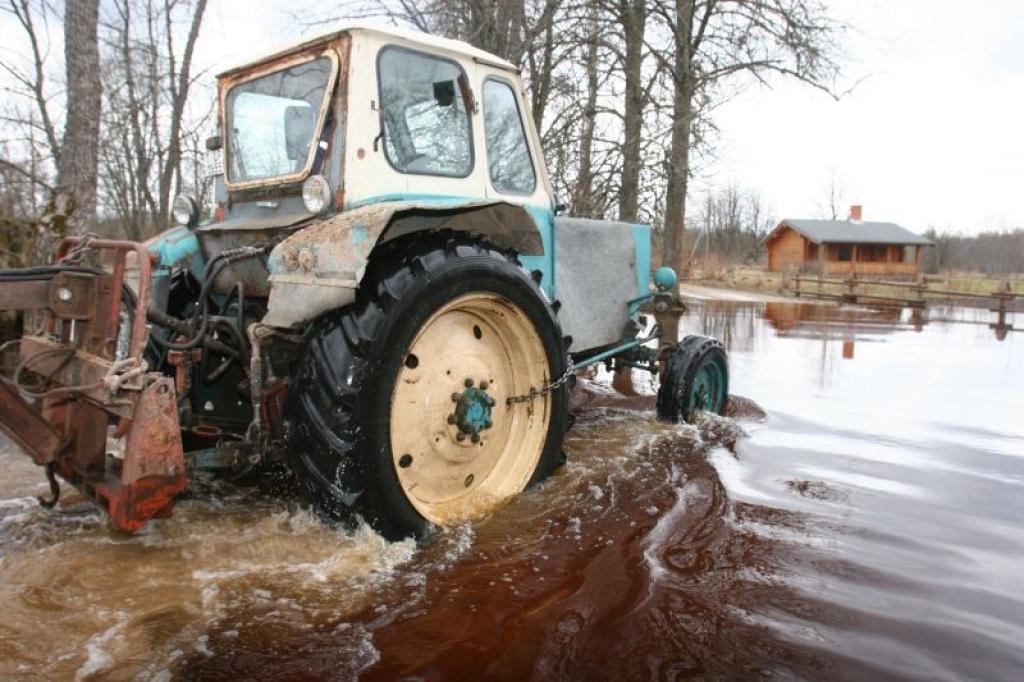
x=707, y=391
x=457, y=448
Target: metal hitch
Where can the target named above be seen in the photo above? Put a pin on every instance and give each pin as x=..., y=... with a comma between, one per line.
x=72, y=390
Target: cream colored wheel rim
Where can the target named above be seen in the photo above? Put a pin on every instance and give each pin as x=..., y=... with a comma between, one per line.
x=479, y=337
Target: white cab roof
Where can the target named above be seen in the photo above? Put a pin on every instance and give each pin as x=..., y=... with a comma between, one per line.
x=425, y=39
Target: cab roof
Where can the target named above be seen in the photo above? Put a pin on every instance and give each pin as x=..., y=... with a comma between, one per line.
x=457, y=47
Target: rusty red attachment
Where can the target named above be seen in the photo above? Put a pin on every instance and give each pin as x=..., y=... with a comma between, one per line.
x=88, y=393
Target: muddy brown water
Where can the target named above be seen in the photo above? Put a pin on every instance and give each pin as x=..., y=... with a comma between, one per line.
x=868, y=525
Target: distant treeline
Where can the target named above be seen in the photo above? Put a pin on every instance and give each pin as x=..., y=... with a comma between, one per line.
x=994, y=253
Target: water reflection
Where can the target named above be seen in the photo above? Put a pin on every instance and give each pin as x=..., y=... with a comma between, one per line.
x=866, y=527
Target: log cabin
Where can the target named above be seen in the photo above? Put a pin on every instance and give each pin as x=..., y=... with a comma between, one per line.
x=845, y=247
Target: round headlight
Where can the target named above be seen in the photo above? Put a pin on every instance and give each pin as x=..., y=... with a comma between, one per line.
x=185, y=210
x=316, y=194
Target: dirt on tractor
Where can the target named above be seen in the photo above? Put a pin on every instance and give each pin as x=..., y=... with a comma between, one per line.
x=865, y=524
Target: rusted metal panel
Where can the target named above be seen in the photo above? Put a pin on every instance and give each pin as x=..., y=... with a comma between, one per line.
x=27, y=295
x=153, y=446
x=68, y=295
x=153, y=469
x=140, y=332
x=318, y=268
x=28, y=429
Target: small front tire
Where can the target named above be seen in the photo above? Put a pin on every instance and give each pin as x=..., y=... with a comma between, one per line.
x=694, y=378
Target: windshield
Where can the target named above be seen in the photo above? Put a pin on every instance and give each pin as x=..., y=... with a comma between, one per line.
x=272, y=121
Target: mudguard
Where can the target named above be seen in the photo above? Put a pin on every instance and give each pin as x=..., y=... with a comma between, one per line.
x=319, y=267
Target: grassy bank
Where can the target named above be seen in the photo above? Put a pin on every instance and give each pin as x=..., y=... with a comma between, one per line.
x=759, y=280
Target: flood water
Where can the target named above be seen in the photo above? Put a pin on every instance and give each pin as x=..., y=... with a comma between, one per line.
x=870, y=524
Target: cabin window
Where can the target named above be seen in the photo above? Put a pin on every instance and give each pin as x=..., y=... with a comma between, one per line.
x=508, y=154
x=872, y=253
x=844, y=254
x=272, y=121
x=424, y=117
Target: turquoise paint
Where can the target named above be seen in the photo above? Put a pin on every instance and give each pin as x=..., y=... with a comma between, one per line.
x=545, y=220
x=665, y=279
x=642, y=241
x=611, y=352
x=176, y=248
x=708, y=389
x=473, y=411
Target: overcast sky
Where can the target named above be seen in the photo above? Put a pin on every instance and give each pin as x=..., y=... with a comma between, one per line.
x=932, y=135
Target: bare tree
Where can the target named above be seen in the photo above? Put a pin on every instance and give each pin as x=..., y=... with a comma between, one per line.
x=715, y=40
x=583, y=195
x=831, y=202
x=79, y=154
x=179, y=80
x=147, y=119
x=732, y=221
x=30, y=123
x=633, y=17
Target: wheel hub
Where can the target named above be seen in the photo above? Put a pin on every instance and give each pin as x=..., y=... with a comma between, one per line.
x=472, y=410
x=457, y=449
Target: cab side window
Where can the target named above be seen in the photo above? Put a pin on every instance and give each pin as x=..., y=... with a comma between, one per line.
x=423, y=114
x=508, y=155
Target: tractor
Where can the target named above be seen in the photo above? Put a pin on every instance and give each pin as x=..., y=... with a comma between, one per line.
x=382, y=299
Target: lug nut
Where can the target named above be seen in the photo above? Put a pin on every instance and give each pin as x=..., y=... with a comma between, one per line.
x=451, y=419
x=475, y=438
x=460, y=436
x=469, y=383
x=484, y=385
x=455, y=397
x=469, y=480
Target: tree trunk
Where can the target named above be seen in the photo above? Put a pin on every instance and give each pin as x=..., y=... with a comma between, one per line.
x=540, y=76
x=179, y=87
x=679, y=147
x=633, y=15
x=582, y=201
x=79, y=158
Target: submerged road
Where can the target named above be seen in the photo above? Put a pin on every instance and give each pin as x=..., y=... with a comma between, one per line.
x=866, y=524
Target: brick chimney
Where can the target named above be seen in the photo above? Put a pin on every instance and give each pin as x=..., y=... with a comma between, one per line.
x=855, y=212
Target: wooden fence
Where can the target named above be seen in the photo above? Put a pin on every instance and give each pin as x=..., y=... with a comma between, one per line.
x=905, y=294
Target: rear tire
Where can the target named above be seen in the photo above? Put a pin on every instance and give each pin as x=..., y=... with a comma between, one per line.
x=695, y=378
x=375, y=424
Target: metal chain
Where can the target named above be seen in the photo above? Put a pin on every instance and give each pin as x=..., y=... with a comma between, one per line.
x=553, y=386
x=78, y=251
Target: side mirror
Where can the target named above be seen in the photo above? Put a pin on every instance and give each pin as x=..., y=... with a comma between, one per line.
x=213, y=143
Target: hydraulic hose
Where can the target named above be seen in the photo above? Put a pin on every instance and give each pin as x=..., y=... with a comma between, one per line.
x=202, y=315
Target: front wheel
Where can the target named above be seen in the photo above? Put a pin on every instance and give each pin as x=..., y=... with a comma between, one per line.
x=694, y=378
x=398, y=407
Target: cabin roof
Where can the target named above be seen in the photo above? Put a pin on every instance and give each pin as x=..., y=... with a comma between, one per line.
x=850, y=232
x=425, y=39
